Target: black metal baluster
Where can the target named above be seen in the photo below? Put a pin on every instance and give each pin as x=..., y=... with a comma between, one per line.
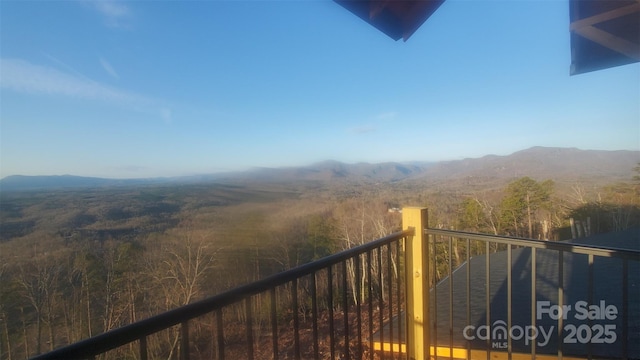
x=345, y=310
x=314, y=310
x=625, y=308
x=358, y=305
x=370, y=282
x=435, y=293
x=509, y=300
x=331, y=329
x=589, y=299
x=184, y=340
x=296, y=321
x=487, y=275
x=390, y=295
x=274, y=322
x=533, y=299
x=143, y=348
x=560, y=301
x=380, y=303
x=399, y=286
x=450, y=275
x=249, y=313
x=468, y=306
x=220, y=330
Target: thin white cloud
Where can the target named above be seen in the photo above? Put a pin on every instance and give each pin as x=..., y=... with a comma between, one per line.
x=65, y=66
x=166, y=115
x=363, y=129
x=24, y=77
x=387, y=115
x=115, y=13
x=112, y=8
x=108, y=68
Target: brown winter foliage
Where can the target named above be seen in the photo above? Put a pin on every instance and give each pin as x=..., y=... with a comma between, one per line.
x=76, y=263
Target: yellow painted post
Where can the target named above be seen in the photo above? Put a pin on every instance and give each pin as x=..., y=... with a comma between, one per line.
x=417, y=264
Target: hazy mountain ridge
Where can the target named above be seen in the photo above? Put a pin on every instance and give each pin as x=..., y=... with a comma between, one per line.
x=537, y=162
x=542, y=162
x=336, y=171
x=45, y=182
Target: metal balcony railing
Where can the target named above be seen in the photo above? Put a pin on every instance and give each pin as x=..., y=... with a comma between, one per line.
x=506, y=297
x=417, y=294
x=327, y=309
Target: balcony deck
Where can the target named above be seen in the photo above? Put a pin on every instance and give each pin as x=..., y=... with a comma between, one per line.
x=604, y=279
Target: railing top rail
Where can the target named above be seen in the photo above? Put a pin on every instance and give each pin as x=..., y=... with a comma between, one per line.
x=132, y=332
x=629, y=254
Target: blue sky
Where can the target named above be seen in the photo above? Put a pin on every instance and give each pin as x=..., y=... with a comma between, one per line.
x=166, y=88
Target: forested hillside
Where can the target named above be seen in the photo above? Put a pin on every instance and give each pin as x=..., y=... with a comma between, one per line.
x=77, y=262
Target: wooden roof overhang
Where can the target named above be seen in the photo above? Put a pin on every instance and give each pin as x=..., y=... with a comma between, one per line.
x=604, y=33
x=398, y=19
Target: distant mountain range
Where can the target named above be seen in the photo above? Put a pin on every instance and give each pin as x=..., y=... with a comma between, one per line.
x=336, y=171
x=564, y=164
x=49, y=182
x=543, y=162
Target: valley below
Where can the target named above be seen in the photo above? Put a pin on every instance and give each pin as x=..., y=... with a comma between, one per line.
x=80, y=256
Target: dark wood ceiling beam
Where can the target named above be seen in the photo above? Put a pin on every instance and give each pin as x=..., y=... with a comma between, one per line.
x=610, y=41
x=604, y=34
x=606, y=16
